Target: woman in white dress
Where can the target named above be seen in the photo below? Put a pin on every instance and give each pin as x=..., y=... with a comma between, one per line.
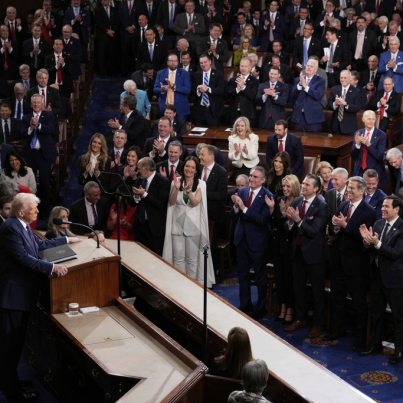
x=16, y=170
x=187, y=213
x=243, y=146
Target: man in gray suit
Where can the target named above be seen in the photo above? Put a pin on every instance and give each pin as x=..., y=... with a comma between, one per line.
x=189, y=25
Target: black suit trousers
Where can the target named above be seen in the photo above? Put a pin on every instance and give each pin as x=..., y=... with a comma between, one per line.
x=383, y=124
x=380, y=296
x=204, y=117
x=316, y=273
x=356, y=287
x=13, y=327
x=144, y=235
x=107, y=48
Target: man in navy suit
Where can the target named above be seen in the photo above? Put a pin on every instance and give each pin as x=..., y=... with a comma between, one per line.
x=374, y=196
x=394, y=158
x=273, y=96
x=72, y=48
x=9, y=126
x=173, y=164
x=282, y=140
x=385, y=242
x=305, y=46
x=369, y=148
x=80, y=20
x=272, y=26
x=152, y=52
x=173, y=86
x=306, y=96
x=118, y=153
x=344, y=100
x=149, y=8
x=178, y=126
x=350, y=262
x=39, y=148
x=35, y=49
x=251, y=212
x=297, y=25
x=208, y=84
x=20, y=273
x=322, y=22
x=307, y=218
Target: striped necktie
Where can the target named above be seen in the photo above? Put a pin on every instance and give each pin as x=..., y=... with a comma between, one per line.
x=205, y=94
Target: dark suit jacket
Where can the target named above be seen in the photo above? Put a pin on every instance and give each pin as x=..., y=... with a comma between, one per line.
x=20, y=267
x=315, y=49
x=374, y=157
x=102, y=180
x=390, y=254
x=84, y=24
x=168, y=40
x=102, y=23
x=284, y=58
x=143, y=10
x=165, y=165
x=216, y=18
x=217, y=193
x=358, y=8
x=15, y=132
x=254, y=224
x=127, y=20
x=349, y=121
x=160, y=55
x=341, y=55
x=138, y=128
x=369, y=46
x=312, y=231
x=50, y=66
x=47, y=122
x=278, y=32
x=284, y=71
x=344, y=27
x=192, y=68
x=163, y=14
x=348, y=243
x=5, y=149
x=179, y=127
x=216, y=97
x=74, y=50
x=137, y=77
x=319, y=31
x=52, y=97
x=32, y=82
x=26, y=105
x=78, y=214
x=155, y=203
x=366, y=75
x=294, y=25
x=376, y=202
x=331, y=200
x=273, y=107
x=27, y=48
x=13, y=61
x=148, y=147
x=294, y=148
x=245, y=98
x=203, y=46
x=123, y=156
x=394, y=102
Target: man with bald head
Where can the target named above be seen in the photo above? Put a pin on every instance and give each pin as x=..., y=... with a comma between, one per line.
x=371, y=76
x=9, y=55
x=369, y=148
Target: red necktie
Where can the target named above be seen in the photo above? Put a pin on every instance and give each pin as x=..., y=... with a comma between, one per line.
x=327, y=23
x=205, y=174
x=171, y=175
x=13, y=31
x=130, y=7
x=281, y=149
x=30, y=234
x=382, y=107
x=350, y=210
x=364, y=156
x=301, y=216
x=377, y=7
x=249, y=201
x=5, y=59
x=115, y=168
x=59, y=73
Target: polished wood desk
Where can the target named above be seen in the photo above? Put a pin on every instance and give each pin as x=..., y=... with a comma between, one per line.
x=295, y=377
x=314, y=143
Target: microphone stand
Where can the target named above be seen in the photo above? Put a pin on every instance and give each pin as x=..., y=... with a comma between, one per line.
x=205, y=332
x=293, y=117
x=82, y=225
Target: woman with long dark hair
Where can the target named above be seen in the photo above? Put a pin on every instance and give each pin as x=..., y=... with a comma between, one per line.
x=16, y=170
x=280, y=167
x=187, y=214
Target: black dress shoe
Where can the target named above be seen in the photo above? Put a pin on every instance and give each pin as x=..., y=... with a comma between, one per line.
x=246, y=308
x=334, y=336
x=378, y=348
x=278, y=319
x=258, y=314
x=358, y=347
x=24, y=396
x=396, y=358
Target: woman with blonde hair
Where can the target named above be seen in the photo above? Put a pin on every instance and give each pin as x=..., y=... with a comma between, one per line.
x=243, y=146
x=245, y=49
x=54, y=231
x=41, y=19
x=95, y=161
x=237, y=353
x=249, y=32
x=281, y=241
x=324, y=171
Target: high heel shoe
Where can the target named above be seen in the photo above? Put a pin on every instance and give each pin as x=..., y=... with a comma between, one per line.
x=290, y=315
x=278, y=319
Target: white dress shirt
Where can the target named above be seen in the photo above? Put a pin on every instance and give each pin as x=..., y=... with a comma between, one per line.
x=391, y=224
x=209, y=168
x=254, y=194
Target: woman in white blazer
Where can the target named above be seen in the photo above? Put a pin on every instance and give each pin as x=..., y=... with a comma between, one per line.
x=243, y=147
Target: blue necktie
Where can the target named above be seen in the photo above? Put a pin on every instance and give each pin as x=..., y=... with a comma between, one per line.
x=305, y=52
x=35, y=138
x=171, y=21
x=205, y=94
x=19, y=110
x=190, y=19
x=142, y=207
x=367, y=198
x=330, y=68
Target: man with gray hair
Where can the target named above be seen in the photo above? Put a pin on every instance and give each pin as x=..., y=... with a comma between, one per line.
x=394, y=158
x=350, y=264
x=388, y=31
x=389, y=64
x=92, y=210
x=39, y=148
x=338, y=194
x=20, y=272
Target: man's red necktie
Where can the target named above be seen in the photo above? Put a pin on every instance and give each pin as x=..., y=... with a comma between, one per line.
x=59, y=72
x=205, y=175
x=382, y=107
x=301, y=216
x=350, y=210
x=364, y=156
x=5, y=59
x=249, y=201
x=13, y=31
x=171, y=175
x=281, y=148
x=115, y=167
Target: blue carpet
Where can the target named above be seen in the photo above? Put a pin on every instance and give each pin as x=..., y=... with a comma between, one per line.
x=372, y=375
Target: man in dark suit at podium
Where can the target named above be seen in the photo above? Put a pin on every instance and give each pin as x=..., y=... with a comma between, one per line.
x=385, y=242
x=20, y=273
x=150, y=195
x=282, y=140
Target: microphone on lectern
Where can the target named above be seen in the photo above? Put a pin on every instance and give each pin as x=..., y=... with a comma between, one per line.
x=59, y=221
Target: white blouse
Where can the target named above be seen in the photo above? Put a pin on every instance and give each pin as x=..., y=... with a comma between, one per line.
x=251, y=159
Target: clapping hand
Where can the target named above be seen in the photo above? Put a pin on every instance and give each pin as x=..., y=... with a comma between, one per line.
x=113, y=123
x=138, y=191
x=245, y=149
x=269, y=201
x=49, y=108
x=293, y=215
x=158, y=146
x=237, y=147
x=340, y=221
x=234, y=199
x=88, y=167
x=177, y=181
x=114, y=215
x=369, y=236
x=163, y=171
